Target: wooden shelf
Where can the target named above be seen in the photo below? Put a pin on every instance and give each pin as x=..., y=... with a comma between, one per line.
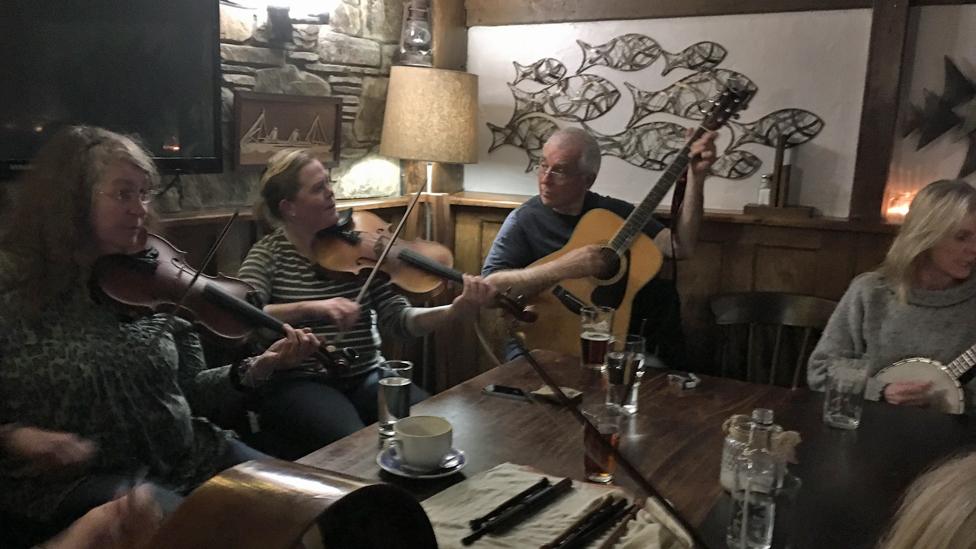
x=497, y=200
x=488, y=200
x=221, y=215
x=510, y=201
x=204, y=217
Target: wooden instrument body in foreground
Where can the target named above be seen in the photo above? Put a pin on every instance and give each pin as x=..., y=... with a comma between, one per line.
x=946, y=394
x=558, y=327
x=270, y=504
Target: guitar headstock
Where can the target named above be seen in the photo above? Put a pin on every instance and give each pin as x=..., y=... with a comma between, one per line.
x=734, y=98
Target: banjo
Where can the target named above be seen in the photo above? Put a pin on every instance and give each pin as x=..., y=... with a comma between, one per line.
x=947, y=380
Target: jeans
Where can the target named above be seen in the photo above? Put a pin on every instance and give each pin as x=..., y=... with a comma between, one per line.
x=302, y=415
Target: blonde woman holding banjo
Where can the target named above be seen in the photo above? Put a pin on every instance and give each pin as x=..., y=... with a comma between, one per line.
x=919, y=305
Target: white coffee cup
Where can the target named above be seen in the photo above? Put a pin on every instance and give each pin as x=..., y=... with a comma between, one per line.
x=422, y=441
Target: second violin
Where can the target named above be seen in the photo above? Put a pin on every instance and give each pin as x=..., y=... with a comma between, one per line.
x=416, y=266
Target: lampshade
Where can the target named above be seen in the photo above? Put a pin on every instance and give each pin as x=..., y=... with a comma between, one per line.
x=432, y=115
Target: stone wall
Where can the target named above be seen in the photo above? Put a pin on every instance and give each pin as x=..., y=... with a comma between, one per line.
x=349, y=58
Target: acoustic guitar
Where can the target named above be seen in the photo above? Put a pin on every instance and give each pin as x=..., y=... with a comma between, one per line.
x=634, y=258
x=947, y=380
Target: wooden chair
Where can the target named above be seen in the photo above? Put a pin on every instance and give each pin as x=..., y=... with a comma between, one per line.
x=762, y=313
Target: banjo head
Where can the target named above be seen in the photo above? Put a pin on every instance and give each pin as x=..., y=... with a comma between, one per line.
x=947, y=394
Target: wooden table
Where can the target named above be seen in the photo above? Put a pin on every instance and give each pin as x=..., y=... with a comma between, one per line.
x=851, y=479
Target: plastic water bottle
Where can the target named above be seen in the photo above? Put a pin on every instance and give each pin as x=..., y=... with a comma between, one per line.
x=757, y=476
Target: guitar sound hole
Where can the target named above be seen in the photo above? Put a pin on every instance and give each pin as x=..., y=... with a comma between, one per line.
x=611, y=262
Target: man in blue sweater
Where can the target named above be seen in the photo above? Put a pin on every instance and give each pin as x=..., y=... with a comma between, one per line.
x=543, y=224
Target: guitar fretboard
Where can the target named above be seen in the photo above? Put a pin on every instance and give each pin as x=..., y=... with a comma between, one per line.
x=637, y=219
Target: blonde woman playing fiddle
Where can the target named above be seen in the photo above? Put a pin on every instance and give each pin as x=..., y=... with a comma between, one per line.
x=921, y=302
x=304, y=415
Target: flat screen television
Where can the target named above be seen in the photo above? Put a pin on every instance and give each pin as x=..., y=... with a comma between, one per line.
x=144, y=67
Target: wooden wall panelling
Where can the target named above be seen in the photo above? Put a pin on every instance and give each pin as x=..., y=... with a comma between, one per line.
x=450, y=34
x=699, y=278
x=197, y=239
x=870, y=250
x=785, y=259
x=475, y=230
x=720, y=264
x=514, y=12
x=886, y=52
x=445, y=338
x=447, y=178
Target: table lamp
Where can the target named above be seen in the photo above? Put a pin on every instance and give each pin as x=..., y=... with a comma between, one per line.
x=431, y=115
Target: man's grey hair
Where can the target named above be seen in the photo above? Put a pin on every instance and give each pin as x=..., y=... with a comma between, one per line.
x=590, y=158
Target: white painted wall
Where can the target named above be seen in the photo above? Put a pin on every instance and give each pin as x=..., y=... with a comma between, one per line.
x=811, y=60
x=942, y=30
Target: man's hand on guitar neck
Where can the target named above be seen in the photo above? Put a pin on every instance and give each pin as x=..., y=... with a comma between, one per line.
x=702, y=155
x=908, y=393
x=580, y=262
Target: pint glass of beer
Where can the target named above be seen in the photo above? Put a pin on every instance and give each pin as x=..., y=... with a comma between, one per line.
x=596, y=325
x=599, y=463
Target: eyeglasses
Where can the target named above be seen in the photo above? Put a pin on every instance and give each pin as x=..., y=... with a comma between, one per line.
x=129, y=196
x=557, y=173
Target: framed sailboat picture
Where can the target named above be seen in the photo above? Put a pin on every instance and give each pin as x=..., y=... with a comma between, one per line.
x=265, y=123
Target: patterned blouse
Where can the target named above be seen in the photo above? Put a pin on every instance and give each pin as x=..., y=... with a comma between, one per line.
x=121, y=383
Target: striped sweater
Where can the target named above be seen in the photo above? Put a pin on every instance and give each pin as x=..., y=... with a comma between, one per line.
x=280, y=274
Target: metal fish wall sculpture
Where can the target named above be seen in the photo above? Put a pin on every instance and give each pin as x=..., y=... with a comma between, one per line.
x=546, y=71
x=688, y=98
x=702, y=56
x=629, y=52
x=579, y=98
x=736, y=165
x=528, y=134
x=584, y=97
x=797, y=125
x=650, y=146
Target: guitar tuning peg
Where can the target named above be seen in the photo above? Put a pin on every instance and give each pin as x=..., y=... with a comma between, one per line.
x=736, y=116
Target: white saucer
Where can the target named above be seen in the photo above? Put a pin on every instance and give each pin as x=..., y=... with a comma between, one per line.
x=390, y=462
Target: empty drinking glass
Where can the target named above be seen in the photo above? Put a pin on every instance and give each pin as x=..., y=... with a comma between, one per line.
x=625, y=368
x=844, y=397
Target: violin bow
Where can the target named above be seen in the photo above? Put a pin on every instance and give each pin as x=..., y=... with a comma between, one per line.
x=382, y=258
x=389, y=245
x=624, y=463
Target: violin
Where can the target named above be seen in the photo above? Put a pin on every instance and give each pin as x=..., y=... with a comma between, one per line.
x=159, y=280
x=416, y=266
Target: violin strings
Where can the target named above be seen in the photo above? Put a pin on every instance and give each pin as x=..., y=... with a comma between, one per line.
x=382, y=258
x=182, y=267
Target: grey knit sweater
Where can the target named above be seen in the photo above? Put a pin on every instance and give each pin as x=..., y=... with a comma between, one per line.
x=870, y=322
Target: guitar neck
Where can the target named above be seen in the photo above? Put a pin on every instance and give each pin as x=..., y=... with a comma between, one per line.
x=963, y=364
x=638, y=219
